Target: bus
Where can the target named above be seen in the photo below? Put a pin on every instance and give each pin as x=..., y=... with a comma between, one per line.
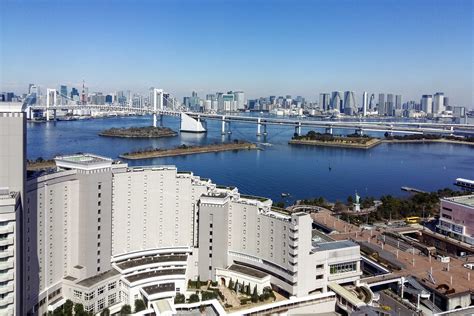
x=412, y=220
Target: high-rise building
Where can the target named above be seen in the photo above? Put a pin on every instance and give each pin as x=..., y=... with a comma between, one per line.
x=324, y=101
x=438, y=103
x=427, y=103
x=398, y=101
x=381, y=104
x=239, y=100
x=12, y=204
x=364, y=103
x=390, y=105
x=167, y=227
x=350, y=106
x=74, y=94
x=336, y=101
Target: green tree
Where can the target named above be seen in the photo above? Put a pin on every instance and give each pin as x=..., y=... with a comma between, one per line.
x=126, y=310
x=193, y=298
x=139, y=305
x=78, y=309
x=236, y=286
x=339, y=207
x=350, y=200
x=179, y=298
x=242, y=288
x=255, y=294
x=68, y=308
x=198, y=283
x=105, y=312
x=248, y=290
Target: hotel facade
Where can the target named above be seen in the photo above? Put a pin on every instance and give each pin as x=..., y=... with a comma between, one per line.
x=101, y=234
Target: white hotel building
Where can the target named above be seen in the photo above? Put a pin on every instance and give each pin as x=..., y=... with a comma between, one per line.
x=102, y=234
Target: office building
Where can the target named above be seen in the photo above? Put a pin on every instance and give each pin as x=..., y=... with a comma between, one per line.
x=389, y=105
x=456, y=218
x=336, y=101
x=12, y=200
x=101, y=234
x=427, y=103
x=324, y=101
x=381, y=104
x=239, y=97
x=226, y=102
x=350, y=106
x=438, y=103
x=364, y=103
x=398, y=102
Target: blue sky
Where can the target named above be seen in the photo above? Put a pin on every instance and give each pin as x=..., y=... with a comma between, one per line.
x=262, y=47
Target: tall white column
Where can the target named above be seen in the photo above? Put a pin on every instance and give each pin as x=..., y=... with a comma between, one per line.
x=223, y=125
x=258, y=126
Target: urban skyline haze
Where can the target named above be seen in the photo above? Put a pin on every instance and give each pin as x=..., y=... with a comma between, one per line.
x=263, y=48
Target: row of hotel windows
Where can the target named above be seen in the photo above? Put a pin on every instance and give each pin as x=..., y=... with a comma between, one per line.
x=90, y=295
x=343, y=267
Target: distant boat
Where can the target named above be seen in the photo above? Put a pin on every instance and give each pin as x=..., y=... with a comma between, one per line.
x=329, y=168
x=285, y=194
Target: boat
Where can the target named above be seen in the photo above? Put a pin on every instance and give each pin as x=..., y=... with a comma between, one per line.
x=285, y=194
x=465, y=184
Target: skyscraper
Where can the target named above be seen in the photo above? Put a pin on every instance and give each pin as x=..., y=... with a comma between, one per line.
x=438, y=103
x=239, y=97
x=364, y=103
x=390, y=106
x=427, y=103
x=350, y=107
x=398, y=101
x=381, y=104
x=324, y=101
x=336, y=100
x=12, y=201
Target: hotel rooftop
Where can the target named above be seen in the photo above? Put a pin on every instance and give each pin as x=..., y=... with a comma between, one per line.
x=467, y=200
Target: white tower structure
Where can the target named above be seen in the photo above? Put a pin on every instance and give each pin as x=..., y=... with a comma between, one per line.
x=50, y=92
x=157, y=97
x=364, y=103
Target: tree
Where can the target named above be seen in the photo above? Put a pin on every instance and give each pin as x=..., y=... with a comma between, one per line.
x=350, y=200
x=242, y=288
x=68, y=307
x=198, y=283
x=179, y=298
x=139, y=305
x=78, y=309
x=231, y=284
x=236, y=287
x=193, y=298
x=255, y=294
x=105, y=312
x=126, y=310
x=247, y=292
x=339, y=206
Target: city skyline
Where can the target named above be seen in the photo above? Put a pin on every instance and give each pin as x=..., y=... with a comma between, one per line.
x=261, y=49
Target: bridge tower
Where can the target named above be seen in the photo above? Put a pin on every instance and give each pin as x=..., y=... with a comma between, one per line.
x=50, y=92
x=157, y=98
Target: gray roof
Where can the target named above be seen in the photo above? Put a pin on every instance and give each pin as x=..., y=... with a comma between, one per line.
x=248, y=271
x=98, y=278
x=333, y=245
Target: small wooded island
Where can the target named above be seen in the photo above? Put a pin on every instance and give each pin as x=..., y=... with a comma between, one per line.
x=139, y=132
x=367, y=142
x=187, y=150
x=350, y=141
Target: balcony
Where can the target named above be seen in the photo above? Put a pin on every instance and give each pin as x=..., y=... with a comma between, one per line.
x=6, y=276
x=6, y=288
x=7, y=300
x=7, y=253
x=7, y=229
x=294, y=234
x=4, y=265
x=7, y=241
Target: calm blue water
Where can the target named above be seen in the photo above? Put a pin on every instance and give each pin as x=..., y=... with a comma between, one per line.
x=301, y=171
